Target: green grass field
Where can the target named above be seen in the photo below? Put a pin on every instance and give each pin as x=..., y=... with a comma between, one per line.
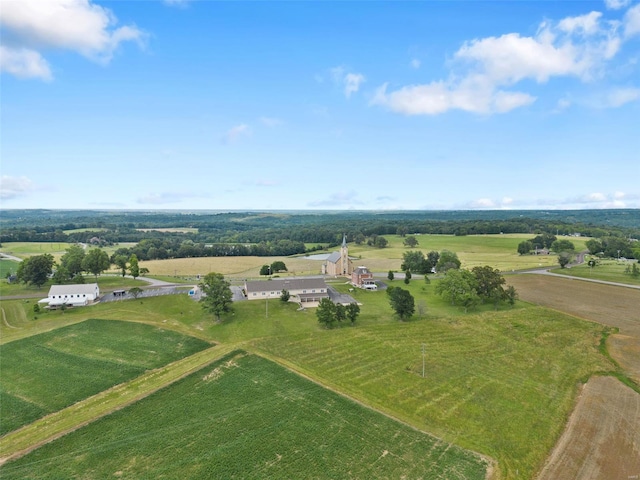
x=245, y=417
x=46, y=372
x=609, y=270
x=7, y=266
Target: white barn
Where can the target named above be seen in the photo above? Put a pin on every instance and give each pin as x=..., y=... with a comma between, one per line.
x=77, y=295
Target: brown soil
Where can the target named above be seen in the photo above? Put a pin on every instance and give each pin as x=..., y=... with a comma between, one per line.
x=626, y=351
x=602, y=438
x=606, y=304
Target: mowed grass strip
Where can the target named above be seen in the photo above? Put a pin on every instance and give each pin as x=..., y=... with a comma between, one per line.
x=28, y=438
x=50, y=371
x=500, y=383
x=608, y=270
x=246, y=417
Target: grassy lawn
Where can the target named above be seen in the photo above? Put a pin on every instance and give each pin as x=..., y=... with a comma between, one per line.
x=7, y=266
x=44, y=373
x=28, y=249
x=214, y=424
x=609, y=270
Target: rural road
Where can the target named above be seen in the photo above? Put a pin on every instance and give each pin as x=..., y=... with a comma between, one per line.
x=568, y=277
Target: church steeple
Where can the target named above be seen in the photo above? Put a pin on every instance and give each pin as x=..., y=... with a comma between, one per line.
x=344, y=256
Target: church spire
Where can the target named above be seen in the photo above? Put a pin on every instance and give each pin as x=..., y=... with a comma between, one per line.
x=344, y=240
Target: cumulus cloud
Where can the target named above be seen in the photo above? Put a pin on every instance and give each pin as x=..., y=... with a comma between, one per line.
x=14, y=187
x=24, y=63
x=485, y=70
x=616, y=4
x=32, y=26
x=350, y=82
x=236, y=133
x=339, y=199
x=631, y=21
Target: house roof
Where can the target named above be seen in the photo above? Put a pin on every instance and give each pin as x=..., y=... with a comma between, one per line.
x=285, y=283
x=361, y=270
x=85, y=288
x=334, y=257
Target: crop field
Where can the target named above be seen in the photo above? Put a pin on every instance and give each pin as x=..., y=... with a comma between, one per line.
x=501, y=383
x=46, y=372
x=245, y=417
x=609, y=270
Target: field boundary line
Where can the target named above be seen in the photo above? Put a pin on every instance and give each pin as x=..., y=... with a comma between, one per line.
x=493, y=472
x=55, y=425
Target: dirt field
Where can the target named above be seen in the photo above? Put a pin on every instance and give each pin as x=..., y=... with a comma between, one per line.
x=606, y=304
x=602, y=438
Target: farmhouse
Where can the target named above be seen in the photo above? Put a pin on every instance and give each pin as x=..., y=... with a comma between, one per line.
x=362, y=277
x=72, y=295
x=339, y=263
x=302, y=290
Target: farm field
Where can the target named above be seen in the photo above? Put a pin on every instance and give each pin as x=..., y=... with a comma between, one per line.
x=213, y=424
x=498, y=251
x=57, y=249
x=598, y=442
x=609, y=270
x=498, y=383
x=7, y=266
x=44, y=373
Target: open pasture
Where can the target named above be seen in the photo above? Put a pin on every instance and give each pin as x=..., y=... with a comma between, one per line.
x=28, y=249
x=7, y=266
x=46, y=372
x=235, y=267
x=608, y=270
x=246, y=417
x=500, y=383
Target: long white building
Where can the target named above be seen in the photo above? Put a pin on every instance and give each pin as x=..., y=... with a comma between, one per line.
x=76, y=295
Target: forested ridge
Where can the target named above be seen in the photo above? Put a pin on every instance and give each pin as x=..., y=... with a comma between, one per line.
x=286, y=233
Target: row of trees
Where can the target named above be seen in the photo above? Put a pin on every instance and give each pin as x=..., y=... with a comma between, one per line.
x=329, y=313
x=469, y=288
x=417, y=262
x=36, y=270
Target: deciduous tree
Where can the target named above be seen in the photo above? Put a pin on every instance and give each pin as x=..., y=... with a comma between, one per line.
x=120, y=261
x=489, y=282
x=410, y=241
x=134, y=269
x=353, y=310
x=278, y=266
x=217, y=295
x=72, y=260
x=35, y=270
x=525, y=247
x=448, y=260
x=402, y=302
x=326, y=312
x=96, y=261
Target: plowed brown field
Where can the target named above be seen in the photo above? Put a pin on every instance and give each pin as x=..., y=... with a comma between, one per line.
x=602, y=438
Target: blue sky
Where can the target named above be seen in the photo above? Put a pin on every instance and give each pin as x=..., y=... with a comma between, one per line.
x=321, y=105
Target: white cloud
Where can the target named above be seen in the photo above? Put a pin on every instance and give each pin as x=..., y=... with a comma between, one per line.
x=270, y=121
x=24, y=63
x=485, y=70
x=621, y=96
x=586, y=24
x=350, y=82
x=415, y=63
x=235, y=133
x=616, y=4
x=76, y=25
x=13, y=187
x=631, y=21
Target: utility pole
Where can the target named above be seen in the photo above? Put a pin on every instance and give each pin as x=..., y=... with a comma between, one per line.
x=267, y=298
x=423, y=353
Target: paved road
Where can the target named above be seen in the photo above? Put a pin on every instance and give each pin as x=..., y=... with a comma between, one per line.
x=569, y=277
